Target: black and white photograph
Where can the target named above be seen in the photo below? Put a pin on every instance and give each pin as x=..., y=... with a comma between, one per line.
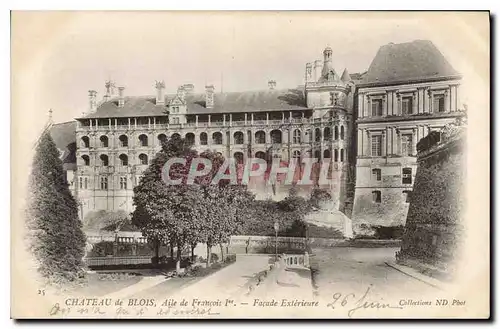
x=247, y=165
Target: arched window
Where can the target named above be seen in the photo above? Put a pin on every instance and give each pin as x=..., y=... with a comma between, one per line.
x=260, y=155
x=190, y=138
x=326, y=154
x=162, y=138
x=143, y=159
x=85, y=142
x=217, y=138
x=175, y=136
x=104, y=141
x=336, y=132
x=327, y=134
x=123, y=140
x=238, y=137
x=203, y=139
x=296, y=154
x=297, y=138
x=86, y=160
x=276, y=136
x=341, y=132
x=143, y=139
x=341, y=155
x=238, y=156
x=104, y=160
x=317, y=155
x=260, y=137
x=336, y=155
x=317, y=132
x=123, y=159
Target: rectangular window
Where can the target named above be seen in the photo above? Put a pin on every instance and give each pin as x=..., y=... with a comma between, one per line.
x=406, y=176
x=376, y=145
x=377, y=174
x=123, y=183
x=377, y=196
x=438, y=105
x=376, y=108
x=407, y=196
x=175, y=121
x=407, y=106
x=104, y=183
x=406, y=144
x=86, y=182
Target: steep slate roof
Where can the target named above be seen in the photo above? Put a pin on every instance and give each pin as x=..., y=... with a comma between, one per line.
x=229, y=102
x=416, y=60
x=64, y=136
x=134, y=106
x=345, y=76
x=249, y=101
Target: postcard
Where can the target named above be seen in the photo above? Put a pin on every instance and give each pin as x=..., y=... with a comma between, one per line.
x=230, y=165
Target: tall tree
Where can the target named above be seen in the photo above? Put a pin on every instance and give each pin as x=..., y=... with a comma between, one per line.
x=54, y=230
x=165, y=212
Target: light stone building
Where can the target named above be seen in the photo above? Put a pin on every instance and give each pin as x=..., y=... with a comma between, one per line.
x=119, y=136
x=409, y=90
x=367, y=125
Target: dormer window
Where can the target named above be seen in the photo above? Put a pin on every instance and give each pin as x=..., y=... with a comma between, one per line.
x=175, y=109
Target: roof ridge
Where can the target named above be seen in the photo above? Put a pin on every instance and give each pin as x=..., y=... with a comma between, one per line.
x=61, y=123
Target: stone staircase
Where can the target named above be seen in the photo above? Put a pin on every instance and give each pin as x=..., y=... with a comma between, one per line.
x=337, y=222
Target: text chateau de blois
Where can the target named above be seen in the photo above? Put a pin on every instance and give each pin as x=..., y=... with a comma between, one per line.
x=368, y=124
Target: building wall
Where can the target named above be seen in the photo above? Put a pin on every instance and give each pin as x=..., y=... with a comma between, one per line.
x=311, y=140
x=391, y=127
x=434, y=229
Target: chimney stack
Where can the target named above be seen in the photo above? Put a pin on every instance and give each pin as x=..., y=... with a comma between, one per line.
x=160, y=98
x=92, y=100
x=110, y=90
x=317, y=69
x=271, y=84
x=309, y=72
x=121, y=99
x=209, y=96
x=181, y=92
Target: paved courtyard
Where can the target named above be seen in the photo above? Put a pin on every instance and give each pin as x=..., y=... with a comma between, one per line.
x=351, y=273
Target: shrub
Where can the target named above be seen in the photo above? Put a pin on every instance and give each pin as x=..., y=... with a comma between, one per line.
x=231, y=258
x=55, y=233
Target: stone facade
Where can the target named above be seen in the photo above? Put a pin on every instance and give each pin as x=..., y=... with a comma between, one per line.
x=119, y=136
x=393, y=114
x=366, y=125
x=434, y=228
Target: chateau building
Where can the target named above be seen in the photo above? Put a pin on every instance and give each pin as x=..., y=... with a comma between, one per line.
x=409, y=90
x=119, y=136
x=370, y=122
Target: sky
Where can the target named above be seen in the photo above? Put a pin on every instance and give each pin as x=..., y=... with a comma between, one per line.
x=235, y=51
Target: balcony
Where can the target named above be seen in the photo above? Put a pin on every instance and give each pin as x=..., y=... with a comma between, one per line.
x=105, y=169
x=123, y=169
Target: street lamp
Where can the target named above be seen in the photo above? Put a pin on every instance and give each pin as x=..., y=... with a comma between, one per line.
x=276, y=228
